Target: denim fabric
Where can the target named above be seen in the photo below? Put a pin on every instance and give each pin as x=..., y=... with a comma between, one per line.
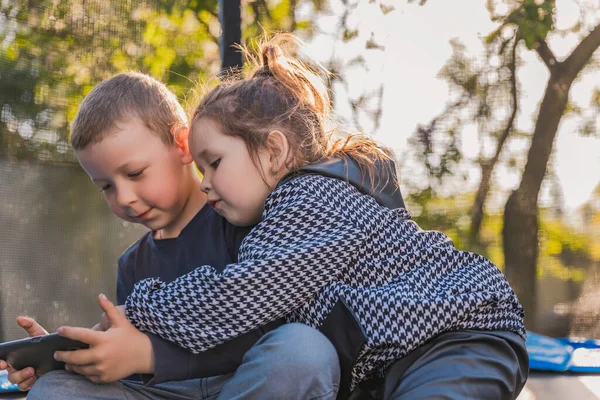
x=293, y=361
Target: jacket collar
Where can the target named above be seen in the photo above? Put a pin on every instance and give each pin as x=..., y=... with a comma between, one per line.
x=345, y=168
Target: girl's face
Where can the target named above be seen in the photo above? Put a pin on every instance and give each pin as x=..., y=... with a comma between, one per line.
x=232, y=181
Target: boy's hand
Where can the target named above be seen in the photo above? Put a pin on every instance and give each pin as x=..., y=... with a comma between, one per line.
x=115, y=354
x=104, y=323
x=26, y=377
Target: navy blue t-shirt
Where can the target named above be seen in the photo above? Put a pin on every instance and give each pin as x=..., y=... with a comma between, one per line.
x=208, y=239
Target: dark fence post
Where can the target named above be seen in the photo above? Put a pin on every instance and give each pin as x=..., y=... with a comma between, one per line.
x=230, y=17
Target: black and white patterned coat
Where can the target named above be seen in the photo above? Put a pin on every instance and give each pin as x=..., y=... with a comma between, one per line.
x=322, y=241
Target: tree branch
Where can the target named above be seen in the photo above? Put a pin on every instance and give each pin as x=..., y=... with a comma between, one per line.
x=487, y=167
x=207, y=27
x=515, y=101
x=582, y=53
x=546, y=55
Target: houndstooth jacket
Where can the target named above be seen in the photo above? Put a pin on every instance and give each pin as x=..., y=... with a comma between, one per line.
x=322, y=243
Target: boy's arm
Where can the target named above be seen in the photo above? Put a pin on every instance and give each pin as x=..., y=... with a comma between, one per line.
x=174, y=362
x=303, y=244
x=177, y=363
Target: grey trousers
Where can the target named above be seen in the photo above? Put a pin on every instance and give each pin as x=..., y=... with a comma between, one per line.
x=293, y=361
x=462, y=365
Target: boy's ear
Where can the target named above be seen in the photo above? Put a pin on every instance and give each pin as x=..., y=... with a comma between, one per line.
x=279, y=149
x=182, y=136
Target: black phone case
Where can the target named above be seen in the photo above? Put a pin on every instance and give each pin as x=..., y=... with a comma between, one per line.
x=38, y=352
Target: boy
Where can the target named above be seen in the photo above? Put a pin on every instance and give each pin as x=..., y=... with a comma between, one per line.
x=130, y=136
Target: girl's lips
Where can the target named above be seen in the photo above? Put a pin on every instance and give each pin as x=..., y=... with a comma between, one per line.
x=214, y=203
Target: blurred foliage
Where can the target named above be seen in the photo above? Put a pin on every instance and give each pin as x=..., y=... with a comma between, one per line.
x=534, y=19
x=485, y=97
x=565, y=250
x=52, y=53
x=485, y=93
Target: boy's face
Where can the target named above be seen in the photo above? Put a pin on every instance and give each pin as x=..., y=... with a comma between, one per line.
x=233, y=183
x=143, y=180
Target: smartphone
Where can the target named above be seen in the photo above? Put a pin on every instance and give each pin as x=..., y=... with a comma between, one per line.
x=38, y=352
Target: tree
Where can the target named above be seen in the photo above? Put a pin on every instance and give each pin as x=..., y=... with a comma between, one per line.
x=489, y=94
x=521, y=224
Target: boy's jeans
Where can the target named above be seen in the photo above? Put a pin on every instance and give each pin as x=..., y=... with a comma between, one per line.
x=293, y=361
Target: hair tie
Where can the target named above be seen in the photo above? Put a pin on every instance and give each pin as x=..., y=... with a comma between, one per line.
x=264, y=71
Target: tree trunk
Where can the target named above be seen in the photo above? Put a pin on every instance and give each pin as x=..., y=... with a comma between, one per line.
x=477, y=210
x=520, y=237
x=520, y=230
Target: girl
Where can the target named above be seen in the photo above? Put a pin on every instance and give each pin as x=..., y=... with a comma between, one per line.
x=322, y=253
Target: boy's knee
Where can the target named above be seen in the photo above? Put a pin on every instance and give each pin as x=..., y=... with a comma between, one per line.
x=299, y=361
x=45, y=387
x=60, y=385
x=302, y=349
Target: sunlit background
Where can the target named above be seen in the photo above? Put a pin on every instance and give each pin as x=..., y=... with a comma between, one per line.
x=432, y=81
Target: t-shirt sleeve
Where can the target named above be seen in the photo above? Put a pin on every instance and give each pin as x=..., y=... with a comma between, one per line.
x=302, y=244
x=124, y=281
x=177, y=363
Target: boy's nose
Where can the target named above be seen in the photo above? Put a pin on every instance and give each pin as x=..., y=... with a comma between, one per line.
x=125, y=197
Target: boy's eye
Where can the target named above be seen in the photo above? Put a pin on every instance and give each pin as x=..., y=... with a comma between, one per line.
x=215, y=163
x=135, y=174
x=105, y=188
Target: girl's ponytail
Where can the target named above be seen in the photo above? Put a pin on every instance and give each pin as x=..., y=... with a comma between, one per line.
x=301, y=81
x=285, y=94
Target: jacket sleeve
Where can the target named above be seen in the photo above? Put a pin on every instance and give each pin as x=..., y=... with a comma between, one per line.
x=302, y=244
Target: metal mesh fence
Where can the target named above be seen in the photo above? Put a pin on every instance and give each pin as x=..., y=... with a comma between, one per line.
x=59, y=244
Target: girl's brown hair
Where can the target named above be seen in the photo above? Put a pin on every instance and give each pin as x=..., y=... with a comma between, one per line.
x=282, y=93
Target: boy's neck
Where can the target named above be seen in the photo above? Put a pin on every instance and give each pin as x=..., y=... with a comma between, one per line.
x=194, y=202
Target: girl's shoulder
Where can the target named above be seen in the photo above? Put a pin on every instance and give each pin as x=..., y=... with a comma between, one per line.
x=317, y=190
x=313, y=183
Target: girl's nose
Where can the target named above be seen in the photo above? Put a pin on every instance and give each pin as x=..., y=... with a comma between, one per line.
x=205, y=185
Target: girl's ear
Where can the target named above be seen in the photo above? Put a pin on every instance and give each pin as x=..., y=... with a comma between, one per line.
x=182, y=136
x=279, y=149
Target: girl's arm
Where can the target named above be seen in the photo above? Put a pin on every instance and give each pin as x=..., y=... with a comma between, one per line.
x=302, y=245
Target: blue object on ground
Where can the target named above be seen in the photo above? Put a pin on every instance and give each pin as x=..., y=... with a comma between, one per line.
x=563, y=354
x=5, y=385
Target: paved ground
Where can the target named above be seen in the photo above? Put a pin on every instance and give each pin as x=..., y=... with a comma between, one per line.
x=548, y=386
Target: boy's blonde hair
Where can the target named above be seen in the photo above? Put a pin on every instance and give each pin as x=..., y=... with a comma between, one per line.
x=127, y=95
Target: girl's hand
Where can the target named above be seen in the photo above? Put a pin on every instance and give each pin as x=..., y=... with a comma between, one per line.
x=115, y=354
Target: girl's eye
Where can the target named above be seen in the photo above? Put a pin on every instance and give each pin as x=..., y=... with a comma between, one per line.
x=105, y=188
x=215, y=163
